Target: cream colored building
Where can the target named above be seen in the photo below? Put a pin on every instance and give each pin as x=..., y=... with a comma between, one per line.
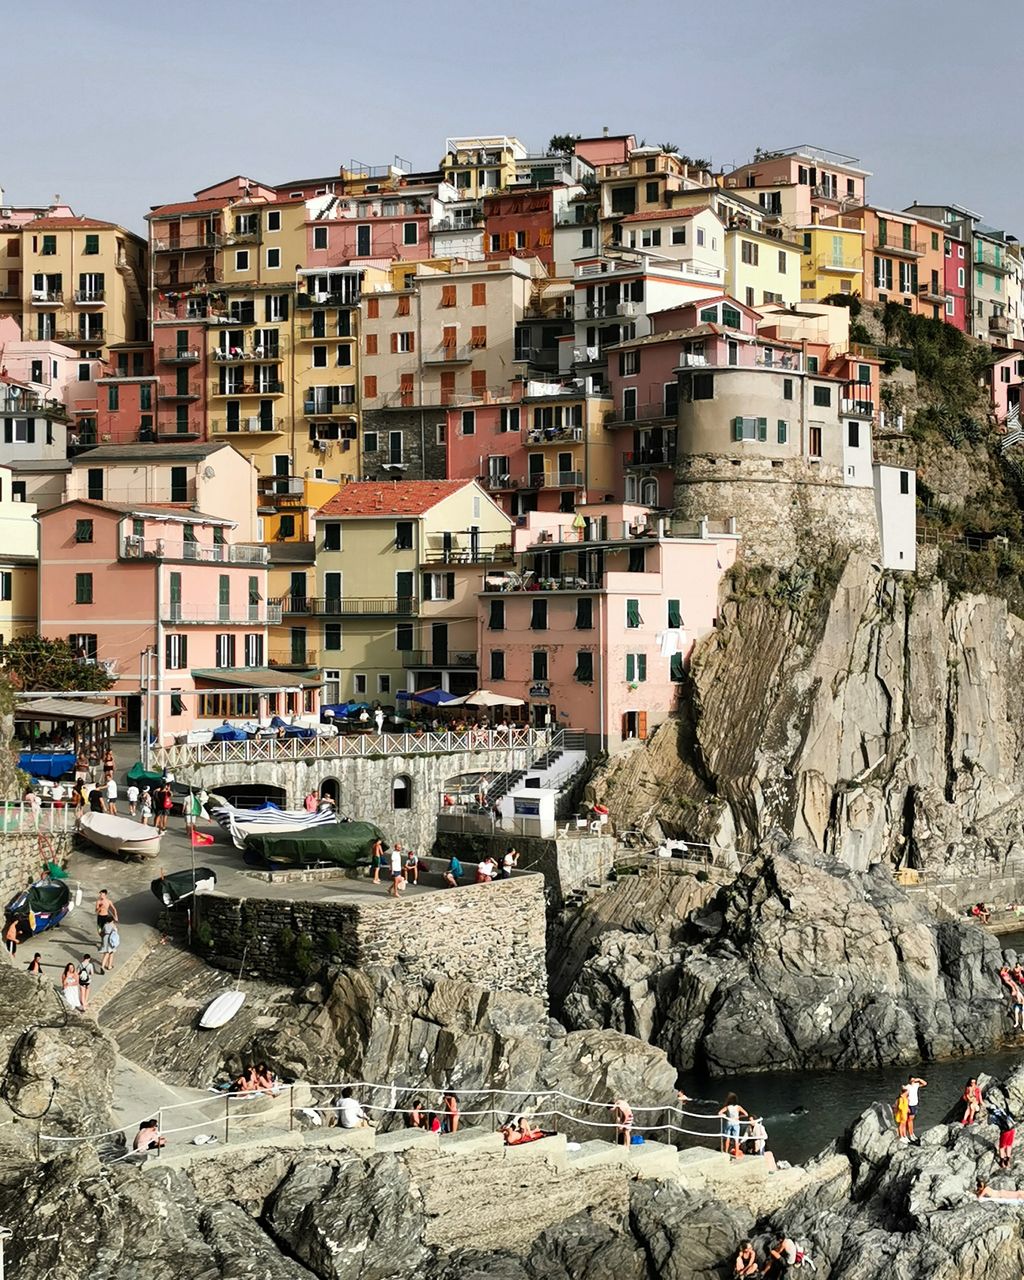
x=19, y=562
x=480, y=166
x=398, y=568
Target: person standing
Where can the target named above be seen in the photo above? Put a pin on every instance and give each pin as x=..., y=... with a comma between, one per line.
x=11, y=936
x=732, y=1113
x=378, y=719
x=971, y=1098
x=111, y=942
x=192, y=809
x=914, y=1086
x=163, y=805
x=85, y=974
x=899, y=1114
x=450, y=1102
x=310, y=802
x=105, y=911
x=376, y=860
x=1007, y=1127
x=146, y=806
x=111, y=786
x=133, y=798
x=108, y=765
x=509, y=862
x=397, y=872
x=622, y=1115
x=32, y=804
x=69, y=988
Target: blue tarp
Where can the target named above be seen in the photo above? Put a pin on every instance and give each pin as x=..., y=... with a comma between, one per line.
x=46, y=764
x=343, y=709
x=228, y=733
x=431, y=697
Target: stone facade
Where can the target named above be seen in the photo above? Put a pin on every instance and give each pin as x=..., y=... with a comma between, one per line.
x=21, y=859
x=489, y=934
x=782, y=509
x=566, y=863
x=423, y=458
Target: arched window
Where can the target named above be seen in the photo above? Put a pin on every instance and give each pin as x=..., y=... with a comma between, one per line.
x=401, y=792
x=649, y=492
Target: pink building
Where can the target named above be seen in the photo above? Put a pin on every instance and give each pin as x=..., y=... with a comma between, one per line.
x=957, y=266
x=595, y=628
x=120, y=580
x=1004, y=380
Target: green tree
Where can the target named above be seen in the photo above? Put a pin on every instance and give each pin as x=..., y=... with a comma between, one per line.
x=32, y=663
x=563, y=144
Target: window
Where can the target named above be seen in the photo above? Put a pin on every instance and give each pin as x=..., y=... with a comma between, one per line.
x=675, y=616
x=113, y=398
x=587, y=238
x=469, y=422
x=84, y=645
x=404, y=637
x=904, y=482
x=319, y=237
x=585, y=614
x=49, y=248
x=448, y=295
x=332, y=636
x=633, y=618
x=787, y=388
x=509, y=418
x=497, y=664
x=679, y=234
x=319, y=357
x=629, y=363
x=478, y=337
x=370, y=443
x=748, y=252
x=540, y=664
x=370, y=386
x=783, y=431
x=730, y=317
x=92, y=244
x=703, y=385
x=814, y=442
x=332, y=536
x=403, y=342
x=495, y=241
x=961, y=278
x=539, y=615
x=83, y=588
x=853, y=435
x=83, y=531
x=401, y=788
x=225, y=650
x=479, y=295
x=584, y=672
x=179, y=484
x=254, y=650
x=700, y=237
x=396, y=444
x=274, y=220
x=651, y=192
x=822, y=397
x=94, y=484
x=145, y=397
x=496, y=620
x=175, y=652
x=241, y=259
x=273, y=259
x=403, y=307
x=383, y=684
x=637, y=560
x=520, y=239
x=812, y=364
x=883, y=272
x=636, y=668
x=750, y=429
x=439, y=586
x=359, y=682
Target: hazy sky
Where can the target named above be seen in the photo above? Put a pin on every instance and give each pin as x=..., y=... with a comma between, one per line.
x=119, y=106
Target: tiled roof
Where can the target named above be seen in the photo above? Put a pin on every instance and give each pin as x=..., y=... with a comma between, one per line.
x=189, y=206
x=386, y=498
x=660, y=215
x=190, y=452
x=69, y=224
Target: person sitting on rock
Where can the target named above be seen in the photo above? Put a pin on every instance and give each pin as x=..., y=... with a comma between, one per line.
x=781, y=1257
x=414, y=1118
x=746, y=1260
x=265, y=1079
x=350, y=1114
x=981, y=913
x=757, y=1136
x=148, y=1137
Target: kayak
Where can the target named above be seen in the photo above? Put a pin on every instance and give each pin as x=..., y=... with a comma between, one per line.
x=222, y=1009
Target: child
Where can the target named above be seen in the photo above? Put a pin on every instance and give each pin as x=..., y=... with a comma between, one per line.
x=900, y=1113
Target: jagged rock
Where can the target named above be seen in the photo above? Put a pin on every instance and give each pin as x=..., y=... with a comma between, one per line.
x=686, y=1235
x=242, y=1250
x=801, y=963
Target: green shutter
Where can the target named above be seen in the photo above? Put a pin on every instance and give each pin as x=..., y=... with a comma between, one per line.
x=633, y=613
x=675, y=616
x=783, y=432
x=675, y=667
x=641, y=667
x=737, y=428
x=630, y=668
x=762, y=429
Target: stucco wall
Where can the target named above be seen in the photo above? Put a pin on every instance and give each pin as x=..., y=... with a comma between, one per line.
x=491, y=934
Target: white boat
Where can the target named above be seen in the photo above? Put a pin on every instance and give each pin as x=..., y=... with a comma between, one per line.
x=121, y=835
x=222, y=1009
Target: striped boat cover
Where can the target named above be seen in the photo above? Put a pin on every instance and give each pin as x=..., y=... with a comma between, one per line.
x=240, y=823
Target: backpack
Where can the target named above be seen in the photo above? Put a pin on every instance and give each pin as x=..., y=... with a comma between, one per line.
x=114, y=938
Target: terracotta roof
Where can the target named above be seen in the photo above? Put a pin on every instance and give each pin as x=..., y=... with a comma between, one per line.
x=387, y=498
x=69, y=224
x=189, y=206
x=659, y=215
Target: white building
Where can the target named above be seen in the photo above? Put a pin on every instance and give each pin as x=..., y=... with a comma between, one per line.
x=896, y=511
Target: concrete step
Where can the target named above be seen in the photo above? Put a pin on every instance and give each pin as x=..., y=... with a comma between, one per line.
x=594, y=1152
x=407, y=1140
x=551, y=1149
x=471, y=1141
x=652, y=1159
x=341, y=1139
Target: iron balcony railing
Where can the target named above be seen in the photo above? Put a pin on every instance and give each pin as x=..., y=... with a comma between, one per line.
x=138, y=548
x=349, y=606
x=180, y=355
x=413, y=658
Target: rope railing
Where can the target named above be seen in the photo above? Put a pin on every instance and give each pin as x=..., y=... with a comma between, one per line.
x=503, y=1103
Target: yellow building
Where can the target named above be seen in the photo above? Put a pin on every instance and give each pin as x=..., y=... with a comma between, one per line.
x=477, y=167
x=19, y=562
x=82, y=281
x=833, y=261
x=398, y=568
x=761, y=268
x=568, y=444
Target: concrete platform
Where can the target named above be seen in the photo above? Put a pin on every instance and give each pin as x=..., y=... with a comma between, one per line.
x=471, y=1141
x=551, y=1149
x=594, y=1153
x=341, y=1139
x=407, y=1140
x=652, y=1160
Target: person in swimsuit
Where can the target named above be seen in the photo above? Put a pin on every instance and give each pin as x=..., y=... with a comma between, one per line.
x=732, y=1113
x=972, y=1100
x=105, y=911
x=622, y=1115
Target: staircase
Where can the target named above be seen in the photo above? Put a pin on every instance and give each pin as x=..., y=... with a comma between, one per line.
x=1013, y=433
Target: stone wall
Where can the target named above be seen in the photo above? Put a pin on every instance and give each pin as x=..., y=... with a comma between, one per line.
x=422, y=457
x=566, y=863
x=781, y=509
x=490, y=934
x=21, y=859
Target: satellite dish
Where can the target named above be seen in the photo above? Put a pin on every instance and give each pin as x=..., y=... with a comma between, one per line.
x=208, y=473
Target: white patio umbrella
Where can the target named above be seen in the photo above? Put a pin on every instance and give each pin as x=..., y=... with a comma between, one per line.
x=485, y=698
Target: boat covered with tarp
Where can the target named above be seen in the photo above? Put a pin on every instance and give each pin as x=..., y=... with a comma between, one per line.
x=242, y=823
x=176, y=886
x=43, y=905
x=347, y=844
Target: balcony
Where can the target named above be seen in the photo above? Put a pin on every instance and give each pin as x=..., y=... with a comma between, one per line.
x=450, y=355
x=931, y=293
x=532, y=583
x=134, y=548
x=301, y=658
x=249, y=389
x=832, y=262
x=458, y=224
x=328, y=408
x=999, y=324
x=321, y=333
x=560, y=308
x=554, y=435
x=251, y=236
x=185, y=277
x=503, y=483
x=855, y=399
x=255, y=424
x=469, y=555
x=72, y=339
x=557, y=480
x=238, y=355
x=169, y=432
x=437, y=659
x=788, y=362
x=642, y=413
x=90, y=297
x=291, y=606
x=306, y=301
x=613, y=311
x=364, y=607
x=664, y=457
x=30, y=403
x=263, y=614
x=899, y=248
x=178, y=397
x=181, y=244
x=180, y=355
x=282, y=491
x=47, y=298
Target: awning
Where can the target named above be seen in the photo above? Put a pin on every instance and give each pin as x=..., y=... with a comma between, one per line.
x=258, y=678
x=64, y=709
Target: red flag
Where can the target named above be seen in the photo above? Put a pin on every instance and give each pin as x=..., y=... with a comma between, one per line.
x=200, y=838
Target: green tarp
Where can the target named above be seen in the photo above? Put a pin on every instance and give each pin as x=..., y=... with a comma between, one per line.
x=143, y=777
x=346, y=845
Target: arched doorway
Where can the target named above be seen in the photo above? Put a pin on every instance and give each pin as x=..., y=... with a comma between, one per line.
x=401, y=792
x=331, y=788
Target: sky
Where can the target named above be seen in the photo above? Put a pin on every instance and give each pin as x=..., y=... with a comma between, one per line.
x=121, y=106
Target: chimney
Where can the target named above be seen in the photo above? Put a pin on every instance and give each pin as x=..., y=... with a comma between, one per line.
x=605, y=131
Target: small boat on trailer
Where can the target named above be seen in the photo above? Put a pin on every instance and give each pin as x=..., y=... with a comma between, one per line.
x=120, y=836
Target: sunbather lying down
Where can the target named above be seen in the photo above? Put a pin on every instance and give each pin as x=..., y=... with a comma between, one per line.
x=519, y=1130
x=1001, y=1195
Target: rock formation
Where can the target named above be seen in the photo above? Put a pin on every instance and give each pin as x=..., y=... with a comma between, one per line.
x=878, y=717
x=800, y=962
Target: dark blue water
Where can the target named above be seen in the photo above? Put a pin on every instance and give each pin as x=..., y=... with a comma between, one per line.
x=834, y=1099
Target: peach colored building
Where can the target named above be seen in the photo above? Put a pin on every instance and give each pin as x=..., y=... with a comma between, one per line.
x=596, y=626
x=120, y=580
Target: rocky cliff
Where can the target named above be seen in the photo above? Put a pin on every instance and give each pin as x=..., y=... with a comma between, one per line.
x=799, y=963
x=879, y=717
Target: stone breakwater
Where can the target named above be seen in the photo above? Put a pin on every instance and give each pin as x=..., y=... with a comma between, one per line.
x=491, y=934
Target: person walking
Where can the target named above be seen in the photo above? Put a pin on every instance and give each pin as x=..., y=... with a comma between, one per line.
x=914, y=1086
x=378, y=719
x=110, y=943
x=69, y=988
x=105, y=911
x=133, y=799
x=146, y=806
x=85, y=975
x=32, y=804
x=1007, y=1127
x=111, y=790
